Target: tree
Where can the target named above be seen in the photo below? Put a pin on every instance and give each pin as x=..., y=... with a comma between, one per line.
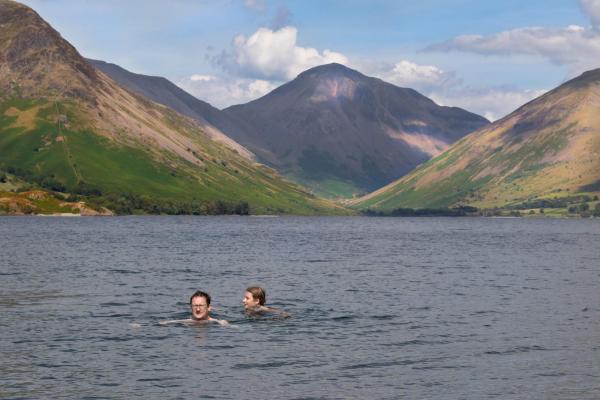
x=242, y=208
x=51, y=183
x=221, y=208
x=86, y=189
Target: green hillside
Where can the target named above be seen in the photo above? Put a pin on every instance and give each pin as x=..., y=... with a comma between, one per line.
x=49, y=145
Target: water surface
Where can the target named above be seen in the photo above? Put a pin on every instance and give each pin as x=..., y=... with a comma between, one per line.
x=382, y=308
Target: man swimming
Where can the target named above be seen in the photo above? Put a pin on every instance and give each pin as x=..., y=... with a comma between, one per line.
x=254, y=302
x=200, y=304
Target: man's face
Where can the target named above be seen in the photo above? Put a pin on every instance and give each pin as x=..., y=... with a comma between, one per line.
x=249, y=301
x=199, y=308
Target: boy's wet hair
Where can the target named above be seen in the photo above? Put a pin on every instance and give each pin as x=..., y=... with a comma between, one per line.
x=200, y=293
x=258, y=293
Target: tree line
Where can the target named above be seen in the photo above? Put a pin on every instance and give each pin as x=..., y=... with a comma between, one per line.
x=123, y=203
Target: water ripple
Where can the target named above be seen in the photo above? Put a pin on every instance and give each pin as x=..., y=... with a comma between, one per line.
x=434, y=308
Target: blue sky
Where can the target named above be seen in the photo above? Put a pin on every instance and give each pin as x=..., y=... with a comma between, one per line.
x=483, y=55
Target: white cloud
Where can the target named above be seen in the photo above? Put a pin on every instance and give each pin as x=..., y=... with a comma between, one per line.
x=493, y=103
x=221, y=92
x=446, y=89
x=568, y=45
x=423, y=78
x=273, y=55
x=575, y=46
x=204, y=78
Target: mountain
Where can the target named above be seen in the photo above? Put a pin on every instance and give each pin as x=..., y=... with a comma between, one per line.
x=545, y=152
x=66, y=126
x=321, y=155
x=158, y=89
x=340, y=132
x=163, y=91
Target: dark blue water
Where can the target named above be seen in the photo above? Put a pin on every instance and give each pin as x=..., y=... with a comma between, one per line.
x=431, y=308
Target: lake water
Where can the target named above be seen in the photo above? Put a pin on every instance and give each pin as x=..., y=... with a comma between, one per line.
x=382, y=308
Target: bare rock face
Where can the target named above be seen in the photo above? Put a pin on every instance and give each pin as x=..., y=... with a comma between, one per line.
x=334, y=123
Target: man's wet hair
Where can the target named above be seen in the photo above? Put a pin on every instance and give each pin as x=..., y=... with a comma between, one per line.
x=258, y=293
x=200, y=293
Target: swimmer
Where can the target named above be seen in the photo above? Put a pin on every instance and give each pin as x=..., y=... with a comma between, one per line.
x=200, y=304
x=254, y=303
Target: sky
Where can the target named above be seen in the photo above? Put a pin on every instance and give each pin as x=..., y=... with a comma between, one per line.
x=487, y=56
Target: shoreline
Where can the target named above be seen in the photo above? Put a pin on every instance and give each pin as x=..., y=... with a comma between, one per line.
x=269, y=216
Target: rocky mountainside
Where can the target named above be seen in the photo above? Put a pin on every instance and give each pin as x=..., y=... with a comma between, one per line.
x=67, y=126
x=546, y=151
x=340, y=132
x=163, y=91
x=34, y=58
x=158, y=89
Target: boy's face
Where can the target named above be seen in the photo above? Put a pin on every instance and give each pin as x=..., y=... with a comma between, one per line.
x=249, y=301
x=199, y=308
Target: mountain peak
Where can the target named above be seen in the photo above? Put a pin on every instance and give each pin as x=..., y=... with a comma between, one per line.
x=35, y=60
x=332, y=70
x=10, y=6
x=341, y=132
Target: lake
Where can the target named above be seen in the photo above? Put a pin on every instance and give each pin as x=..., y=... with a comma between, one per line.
x=382, y=308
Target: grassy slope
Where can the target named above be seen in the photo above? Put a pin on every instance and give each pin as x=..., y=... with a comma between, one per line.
x=544, y=151
x=328, y=188
x=442, y=194
x=33, y=138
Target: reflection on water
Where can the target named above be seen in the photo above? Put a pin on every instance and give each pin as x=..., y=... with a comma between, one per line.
x=433, y=308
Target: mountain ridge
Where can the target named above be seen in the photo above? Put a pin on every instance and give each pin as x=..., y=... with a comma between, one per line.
x=163, y=91
x=547, y=148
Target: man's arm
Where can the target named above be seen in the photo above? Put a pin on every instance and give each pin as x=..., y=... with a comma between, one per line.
x=175, y=321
